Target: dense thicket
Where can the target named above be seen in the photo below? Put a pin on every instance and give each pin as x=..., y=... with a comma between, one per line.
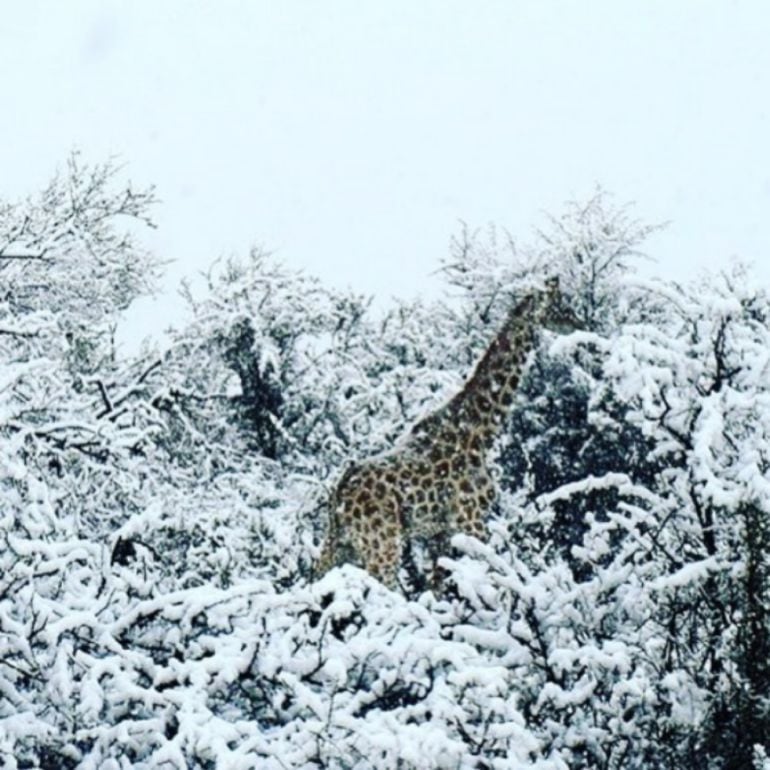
x=161, y=514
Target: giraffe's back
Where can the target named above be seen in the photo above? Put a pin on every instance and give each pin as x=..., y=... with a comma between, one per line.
x=414, y=494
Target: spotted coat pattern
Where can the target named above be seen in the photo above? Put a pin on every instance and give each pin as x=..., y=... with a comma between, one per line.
x=435, y=482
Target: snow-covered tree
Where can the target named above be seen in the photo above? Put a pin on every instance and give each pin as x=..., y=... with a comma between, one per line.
x=160, y=514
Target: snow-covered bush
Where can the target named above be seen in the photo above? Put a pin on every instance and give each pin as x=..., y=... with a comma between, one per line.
x=160, y=515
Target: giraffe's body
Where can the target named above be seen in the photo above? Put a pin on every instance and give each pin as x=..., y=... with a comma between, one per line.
x=435, y=482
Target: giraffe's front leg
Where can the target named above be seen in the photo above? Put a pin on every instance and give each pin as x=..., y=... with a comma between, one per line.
x=471, y=520
x=467, y=519
x=474, y=498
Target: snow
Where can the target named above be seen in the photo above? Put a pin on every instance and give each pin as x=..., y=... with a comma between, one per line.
x=158, y=604
x=687, y=575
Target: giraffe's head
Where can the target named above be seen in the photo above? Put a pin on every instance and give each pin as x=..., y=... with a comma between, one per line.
x=552, y=310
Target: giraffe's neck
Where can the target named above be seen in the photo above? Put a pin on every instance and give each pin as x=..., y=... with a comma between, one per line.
x=487, y=397
x=477, y=412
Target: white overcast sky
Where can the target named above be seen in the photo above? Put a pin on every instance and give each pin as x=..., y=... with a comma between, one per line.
x=350, y=136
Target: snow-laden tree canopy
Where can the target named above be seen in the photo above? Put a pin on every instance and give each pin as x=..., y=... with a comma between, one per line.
x=158, y=607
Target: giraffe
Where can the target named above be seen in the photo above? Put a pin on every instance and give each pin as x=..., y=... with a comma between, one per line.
x=435, y=483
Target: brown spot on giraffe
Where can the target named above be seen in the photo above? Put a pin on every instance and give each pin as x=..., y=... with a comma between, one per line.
x=459, y=463
x=435, y=482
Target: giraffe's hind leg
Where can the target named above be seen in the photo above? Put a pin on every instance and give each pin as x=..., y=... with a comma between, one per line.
x=338, y=545
x=386, y=562
x=380, y=555
x=378, y=540
x=327, y=557
x=336, y=550
x=438, y=546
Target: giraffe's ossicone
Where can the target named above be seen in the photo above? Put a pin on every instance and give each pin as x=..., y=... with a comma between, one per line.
x=434, y=483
